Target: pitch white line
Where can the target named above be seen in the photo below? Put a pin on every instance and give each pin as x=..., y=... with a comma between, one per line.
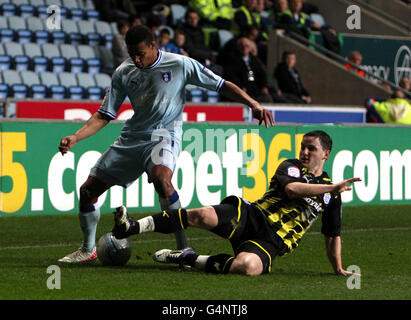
x=70, y=244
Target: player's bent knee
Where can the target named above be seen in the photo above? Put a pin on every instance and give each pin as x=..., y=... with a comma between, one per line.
x=248, y=264
x=200, y=217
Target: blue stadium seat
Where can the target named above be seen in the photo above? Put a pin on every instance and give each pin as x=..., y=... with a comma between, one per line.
x=87, y=53
x=72, y=31
x=212, y=96
x=5, y=62
x=90, y=36
x=55, y=90
x=19, y=60
x=19, y=91
x=42, y=12
x=26, y=10
x=56, y=62
x=74, y=62
x=7, y=35
x=69, y=81
x=194, y=95
x=87, y=81
x=8, y=9
x=77, y=14
x=92, y=15
x=103, y=28
x=4, y=91
x=39, y=63
x=32, y=81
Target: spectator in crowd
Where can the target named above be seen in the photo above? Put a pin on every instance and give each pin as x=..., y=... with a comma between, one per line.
x=247, y=72
x=114, y=10
x=309, y=8
x=249, y=14
x=119, y=47
x=180, y=42
x=405, y=83
x=153, y=23
x=294, y=16
x=135, y=20
x=289, y=79
x=230, y=48
x=195, y=41
x=355, y=57
x=164, y=43
x=392, y=111
x=217, y=13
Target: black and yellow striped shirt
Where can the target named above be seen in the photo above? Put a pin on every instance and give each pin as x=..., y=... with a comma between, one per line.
x=291, y=218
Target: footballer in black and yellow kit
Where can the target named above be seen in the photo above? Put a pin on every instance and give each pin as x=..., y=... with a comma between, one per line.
x=300, y=192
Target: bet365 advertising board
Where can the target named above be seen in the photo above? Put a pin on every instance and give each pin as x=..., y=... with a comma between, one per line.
x=217, y=160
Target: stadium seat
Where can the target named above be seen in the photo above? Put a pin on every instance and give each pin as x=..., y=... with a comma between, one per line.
x=106, y=57
x=5, y=60
x=70, y=4
x=6, y=34
x=55, y=90
x=19, y=60
x=177, y=13
x=17, y=88
x=4, y=91
x=26, y=10
x=74, y=62
x=316, y=17
x=87, y=30
x=102, y=80
x=104, y=29
x=72, y=31
x=32, y=81
x=86, y=4
x=39, y=63
x=77, y=14
x=87, y=53
x=8, y=9
x=87, y=81
x=37, y=3
x=52, y=53
x=18, y=24
x=92, y=15
x=223, y=37
x=69, y=81
x=212, y=96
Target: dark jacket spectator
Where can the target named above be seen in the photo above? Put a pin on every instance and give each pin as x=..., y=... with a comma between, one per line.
x=247, y=72
x=195, y=41
x=289, y=79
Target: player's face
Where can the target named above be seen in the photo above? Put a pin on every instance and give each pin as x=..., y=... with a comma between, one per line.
x=143, y=55
x=312, y=154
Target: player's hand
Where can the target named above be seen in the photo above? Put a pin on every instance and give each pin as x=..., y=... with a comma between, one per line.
x=342, y=272
x=344, y=185
x=263, y=115
x=67, y=143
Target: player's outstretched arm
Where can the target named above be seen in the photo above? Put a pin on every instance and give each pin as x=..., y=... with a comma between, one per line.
x=93, y=125
x=233, y=92
x=301, y=189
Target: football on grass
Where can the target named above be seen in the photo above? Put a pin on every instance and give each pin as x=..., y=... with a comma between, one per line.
x=112, y=251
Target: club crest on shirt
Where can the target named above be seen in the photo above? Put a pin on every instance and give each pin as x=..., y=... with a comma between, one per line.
x=327, y=197
x=294, y=172
x=166, y=76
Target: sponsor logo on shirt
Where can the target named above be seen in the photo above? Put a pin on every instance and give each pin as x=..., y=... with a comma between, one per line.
x=327, y=198
x=294, y=172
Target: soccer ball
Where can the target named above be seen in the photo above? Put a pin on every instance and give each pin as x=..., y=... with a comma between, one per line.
x=112, y=251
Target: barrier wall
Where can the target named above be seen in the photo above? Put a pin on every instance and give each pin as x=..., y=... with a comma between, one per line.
x=217, y=160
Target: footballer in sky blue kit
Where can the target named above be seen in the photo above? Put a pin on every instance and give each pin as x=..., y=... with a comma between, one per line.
x=150, y=141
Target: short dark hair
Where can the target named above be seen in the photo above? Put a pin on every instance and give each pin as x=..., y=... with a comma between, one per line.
x=138, y=34
x=325, y=139
x=286, y=54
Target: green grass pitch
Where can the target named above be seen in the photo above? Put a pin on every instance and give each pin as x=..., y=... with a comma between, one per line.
x=375, y=238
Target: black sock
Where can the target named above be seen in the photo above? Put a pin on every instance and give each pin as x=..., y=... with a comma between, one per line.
x=219, y=263
x=170, y=221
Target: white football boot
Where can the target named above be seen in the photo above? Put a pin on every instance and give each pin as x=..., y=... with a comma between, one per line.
x=80, y=255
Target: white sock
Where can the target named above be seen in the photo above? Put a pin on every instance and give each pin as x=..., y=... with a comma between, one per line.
x=146, y=224
x=200, y=262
